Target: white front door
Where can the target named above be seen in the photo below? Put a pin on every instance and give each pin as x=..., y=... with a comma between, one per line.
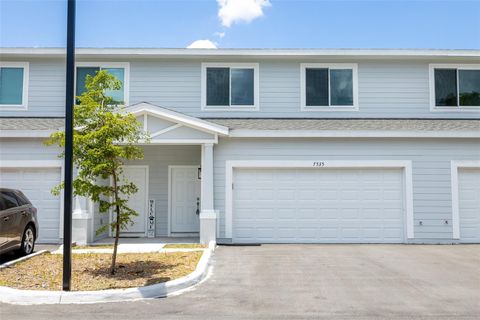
x=138, y=201
x=185, y=199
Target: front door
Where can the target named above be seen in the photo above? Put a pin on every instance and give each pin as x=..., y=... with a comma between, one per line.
x=185, y=199
x=138, y=201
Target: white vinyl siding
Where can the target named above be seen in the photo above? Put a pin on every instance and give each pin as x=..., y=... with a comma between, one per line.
x=286, y=205
x=431, y=170
x=393, y=88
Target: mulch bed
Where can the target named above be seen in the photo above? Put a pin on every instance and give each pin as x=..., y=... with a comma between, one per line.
x=92, y=271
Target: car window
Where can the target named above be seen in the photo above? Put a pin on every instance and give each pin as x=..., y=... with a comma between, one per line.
x=8, y=200
x=21, y=198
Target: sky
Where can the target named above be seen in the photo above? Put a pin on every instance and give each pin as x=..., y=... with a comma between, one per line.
x=433, y=24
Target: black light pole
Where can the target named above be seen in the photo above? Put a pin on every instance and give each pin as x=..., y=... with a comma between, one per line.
x=67, y=195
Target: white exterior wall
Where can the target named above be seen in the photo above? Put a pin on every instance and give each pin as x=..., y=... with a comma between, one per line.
x=387, y=88
x=430, y=163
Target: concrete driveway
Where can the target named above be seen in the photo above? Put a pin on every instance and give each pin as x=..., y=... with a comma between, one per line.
x=310, y=281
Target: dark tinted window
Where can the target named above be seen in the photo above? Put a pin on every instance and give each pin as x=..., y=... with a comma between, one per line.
x=316, y=87
x=82, y=73
x=21, y=198
x=242, y=87
x=218, y=86
x=469, y=86
x=8, y=200
x=446, y=87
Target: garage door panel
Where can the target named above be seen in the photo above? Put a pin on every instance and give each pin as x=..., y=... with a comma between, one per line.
x=469, y=204
x=36, y=184
x=308, y=205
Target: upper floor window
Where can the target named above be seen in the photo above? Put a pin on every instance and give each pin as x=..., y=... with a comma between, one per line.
x=231, y=86
x=13, y=85
x=327, y=87
x=455, y=87
x=119, y=69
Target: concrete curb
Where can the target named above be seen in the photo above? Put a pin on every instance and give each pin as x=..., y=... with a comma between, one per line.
x=11, y=263
x=33, y=297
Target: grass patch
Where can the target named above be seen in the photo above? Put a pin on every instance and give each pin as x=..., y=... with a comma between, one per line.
x=91, y=271
x=185, y=246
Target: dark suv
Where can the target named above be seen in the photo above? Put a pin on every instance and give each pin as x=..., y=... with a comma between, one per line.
x=18, y=222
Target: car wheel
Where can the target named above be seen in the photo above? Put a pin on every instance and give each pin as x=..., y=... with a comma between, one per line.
x=28, y=241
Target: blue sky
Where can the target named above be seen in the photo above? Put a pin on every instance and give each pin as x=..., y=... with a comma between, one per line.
x=245, y=23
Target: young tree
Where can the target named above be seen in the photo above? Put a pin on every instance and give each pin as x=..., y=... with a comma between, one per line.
x=103, y=138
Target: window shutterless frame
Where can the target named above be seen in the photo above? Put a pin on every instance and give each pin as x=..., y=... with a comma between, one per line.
x=457, y=67
x=26, y=76
x=256, y=87
x=104, y=65
x=329, y=66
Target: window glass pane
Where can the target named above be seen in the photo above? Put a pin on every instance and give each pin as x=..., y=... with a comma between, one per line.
x=9, y=200
x=117, y=95
x=316, y=87
x=218, y=86
x=242, y=87
x=21, y=198
x=469, y=87
x=341, y=87
x=445, y=87
x=81, y=76
x=11, y=85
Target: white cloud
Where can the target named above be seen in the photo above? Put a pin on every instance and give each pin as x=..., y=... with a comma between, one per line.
x=232, y=11
x=219, y=34
x=202, y=44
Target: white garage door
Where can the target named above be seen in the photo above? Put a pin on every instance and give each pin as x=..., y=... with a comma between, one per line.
x=318, y=206
x=469, y=204
x=36, y=184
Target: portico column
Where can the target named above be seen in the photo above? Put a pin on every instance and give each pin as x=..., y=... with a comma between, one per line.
x=208, y=216
x=82, y=217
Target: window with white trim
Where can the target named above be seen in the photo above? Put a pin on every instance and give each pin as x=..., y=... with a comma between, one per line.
x=455, y=87
x=119, y=70
x=13, y=85
x=327, y=87
x=229, y=86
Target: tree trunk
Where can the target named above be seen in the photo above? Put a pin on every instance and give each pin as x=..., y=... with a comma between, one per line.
x=117, y=225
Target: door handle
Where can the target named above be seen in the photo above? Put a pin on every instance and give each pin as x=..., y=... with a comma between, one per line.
x=23, y=213
x=6, y=218
x=198, y=207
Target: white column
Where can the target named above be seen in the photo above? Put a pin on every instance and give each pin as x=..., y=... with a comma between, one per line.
x=82, y=220
x=208, y=216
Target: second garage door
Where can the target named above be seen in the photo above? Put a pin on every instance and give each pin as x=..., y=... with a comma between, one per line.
x=318, y=206
x=469, y=204
x=36, y=184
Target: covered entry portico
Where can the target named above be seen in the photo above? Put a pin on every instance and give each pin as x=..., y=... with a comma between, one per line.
x=190, y=183
x=175, y=178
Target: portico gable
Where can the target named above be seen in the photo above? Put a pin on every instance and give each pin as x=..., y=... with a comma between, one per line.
x=167, y=127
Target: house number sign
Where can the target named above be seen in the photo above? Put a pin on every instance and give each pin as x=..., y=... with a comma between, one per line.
x=319, y=164
x=151, y=219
